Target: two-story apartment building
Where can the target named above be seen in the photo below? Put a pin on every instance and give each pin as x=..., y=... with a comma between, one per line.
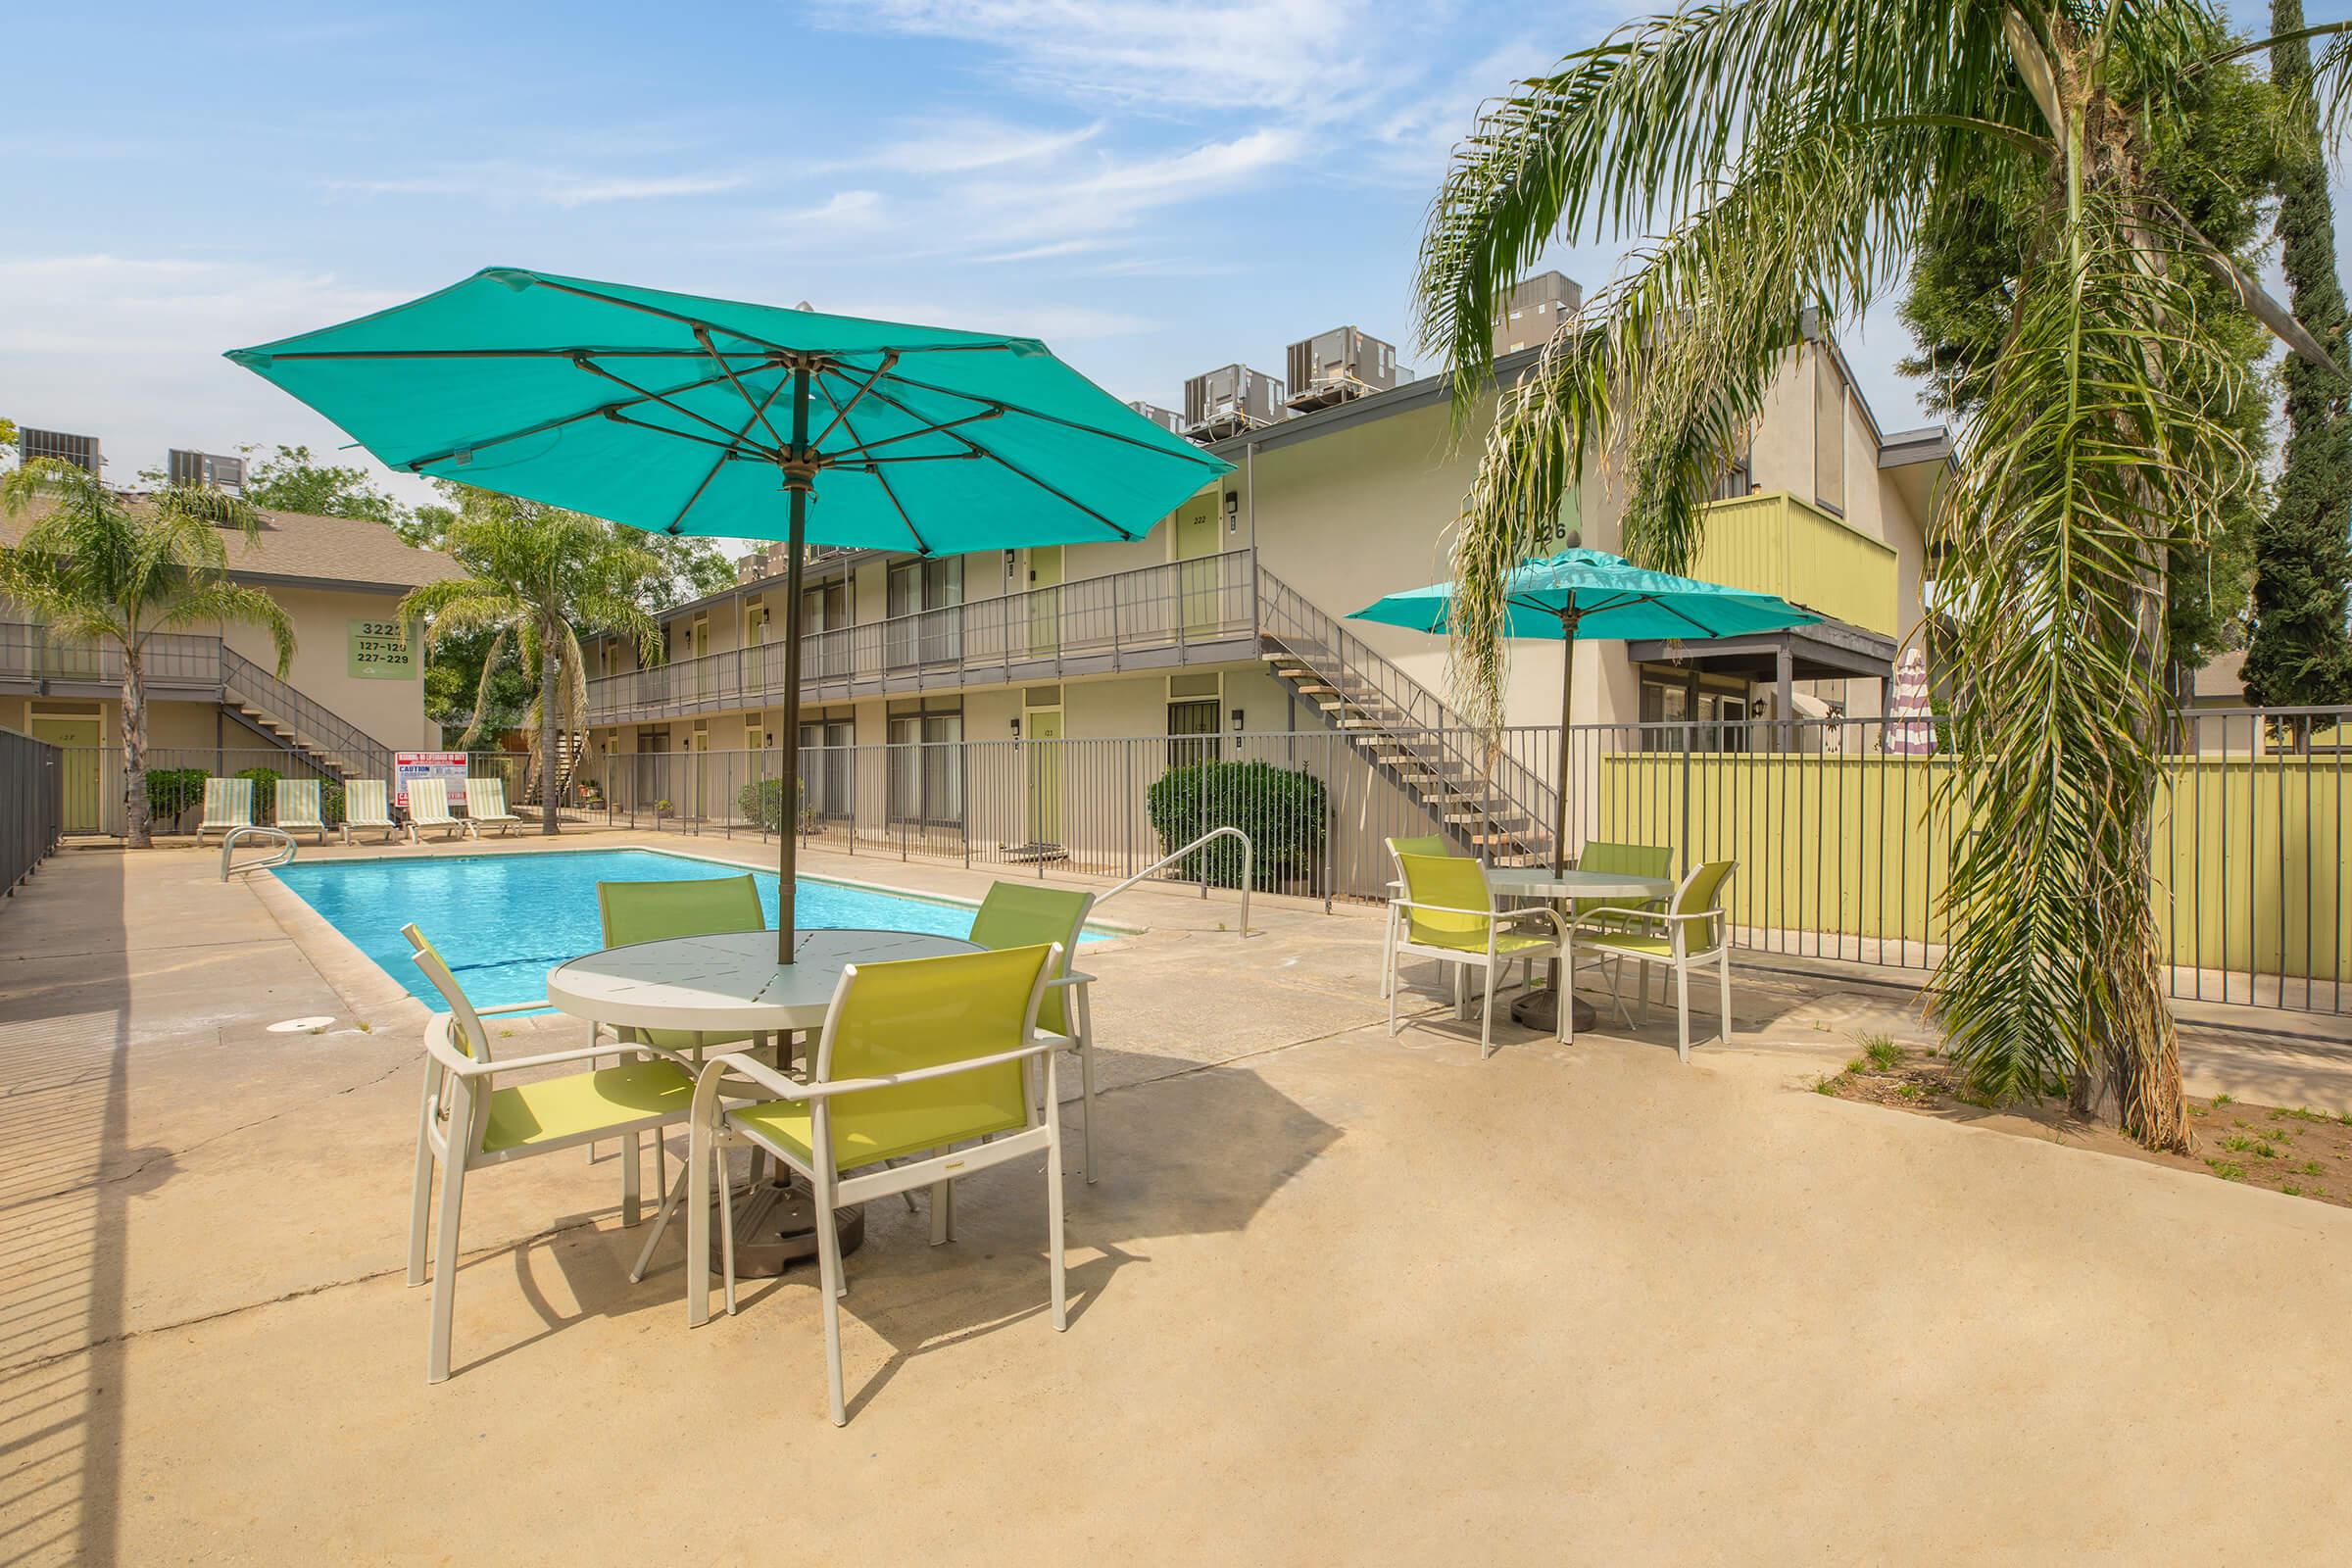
x=1227, y=617
x=352, y=695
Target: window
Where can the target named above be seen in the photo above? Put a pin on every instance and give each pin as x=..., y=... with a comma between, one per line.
x=1192, y=731
x=921, y=598
x=1661, y=704
x=1737, y=477
x=828, y=765
x=926, y=770
x=1829, y=432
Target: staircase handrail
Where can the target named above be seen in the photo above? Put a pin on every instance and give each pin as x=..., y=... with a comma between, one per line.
x=316, y=728
x=1290, y=616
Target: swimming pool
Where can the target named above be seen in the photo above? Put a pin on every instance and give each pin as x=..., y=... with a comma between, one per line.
x=503, y=921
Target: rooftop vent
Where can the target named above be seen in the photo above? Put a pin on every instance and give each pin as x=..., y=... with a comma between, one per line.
x=1339, y=364
x=1230, y=400
x=751, y=567
x=82, y=451
x=1167, y=419
x=1532, y=312
x=205, y=469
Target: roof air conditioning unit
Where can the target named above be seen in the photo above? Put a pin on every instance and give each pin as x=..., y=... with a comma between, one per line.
x=1339, y=364
x=1230, y=400
x=82, y=451
x=204, y=470
x=1167, y=419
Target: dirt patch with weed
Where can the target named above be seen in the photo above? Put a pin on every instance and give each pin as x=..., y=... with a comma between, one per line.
x=2295, y=1151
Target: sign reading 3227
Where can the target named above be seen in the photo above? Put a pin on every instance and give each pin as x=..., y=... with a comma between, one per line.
x=383, y=649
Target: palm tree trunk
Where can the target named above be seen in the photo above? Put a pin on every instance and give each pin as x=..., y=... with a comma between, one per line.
x=139, y=825
x=551, y=670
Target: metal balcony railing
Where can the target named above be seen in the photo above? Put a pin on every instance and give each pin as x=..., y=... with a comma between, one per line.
x=1149, y=617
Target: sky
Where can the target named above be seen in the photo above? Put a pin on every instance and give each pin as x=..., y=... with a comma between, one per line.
x=1155, y=190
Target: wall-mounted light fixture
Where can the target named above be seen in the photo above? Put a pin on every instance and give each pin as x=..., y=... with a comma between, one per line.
x=1233, y=512
x=1017, y=729
x=1237, y=729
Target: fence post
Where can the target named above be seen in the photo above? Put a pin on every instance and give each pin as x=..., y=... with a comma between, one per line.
x=1331, y=869
x=1686, y=838
x=1129, y=748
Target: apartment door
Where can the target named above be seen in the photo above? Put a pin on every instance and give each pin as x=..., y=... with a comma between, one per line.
x=698, y=767
x=1192, y=735
x=1041, y=727
x=1044, y=600
x=1195, y=540
x=698, y=642
x=82, y=738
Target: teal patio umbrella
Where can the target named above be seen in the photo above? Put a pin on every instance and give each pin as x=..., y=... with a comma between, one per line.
x=681, y=415
x=1591, y=596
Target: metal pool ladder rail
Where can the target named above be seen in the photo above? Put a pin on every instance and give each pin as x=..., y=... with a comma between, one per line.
x=1249, y=857
x=281, y=855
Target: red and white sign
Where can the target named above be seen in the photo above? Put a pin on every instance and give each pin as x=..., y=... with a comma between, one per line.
x=407, y=765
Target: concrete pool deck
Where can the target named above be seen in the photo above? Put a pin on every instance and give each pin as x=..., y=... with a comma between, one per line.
x=1338, y=1297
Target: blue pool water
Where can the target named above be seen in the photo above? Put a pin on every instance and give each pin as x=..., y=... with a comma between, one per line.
x=503, y=921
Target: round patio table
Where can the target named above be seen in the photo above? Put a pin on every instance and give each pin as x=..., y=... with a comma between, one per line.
x=1540, y=1010
x=731, y=984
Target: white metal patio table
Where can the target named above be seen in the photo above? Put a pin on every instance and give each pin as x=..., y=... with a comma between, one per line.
x=730, y=984
x=1540, y=1010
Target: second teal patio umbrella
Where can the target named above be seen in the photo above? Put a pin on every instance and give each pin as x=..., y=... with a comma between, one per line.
x=683, y=415
x=1591, y=596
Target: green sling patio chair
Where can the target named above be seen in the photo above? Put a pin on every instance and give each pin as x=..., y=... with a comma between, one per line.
x=918, y=1061
x=468, y=1120
x=1691, y=931
x=368, y=809
x=1425, y=844
x=1023, y=914
x=486, y=806
x=227, y=803
x=296, y=807
x=657, y=911
x=1621, y=859
x=1449, y=915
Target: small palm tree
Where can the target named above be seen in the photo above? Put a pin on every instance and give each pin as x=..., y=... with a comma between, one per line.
x=533, y=572
x=95, y=565
x=1775, y=157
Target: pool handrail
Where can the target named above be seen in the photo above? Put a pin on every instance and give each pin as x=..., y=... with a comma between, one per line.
x=1249, y=857
x=282, y=855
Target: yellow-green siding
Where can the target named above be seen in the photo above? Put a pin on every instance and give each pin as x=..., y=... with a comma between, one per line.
x=2249, y=853
x=1776, y=544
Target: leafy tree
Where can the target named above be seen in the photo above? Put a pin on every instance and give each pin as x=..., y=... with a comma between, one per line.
x=290, y=479
x=1770, y=157
x=2303, y=569
x=2217, y=157
x=94, y=566
x=536, y=576
x=695, y=570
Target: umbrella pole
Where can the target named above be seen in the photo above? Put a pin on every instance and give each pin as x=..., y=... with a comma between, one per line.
x=798, y=477
x=1559, y=816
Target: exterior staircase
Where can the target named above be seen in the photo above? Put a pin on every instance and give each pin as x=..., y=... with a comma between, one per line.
x=1490, y=804
x=286, y=716
x=569, y=746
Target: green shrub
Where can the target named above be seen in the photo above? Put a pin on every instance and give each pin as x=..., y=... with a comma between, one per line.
x=762, y=800
x=1281, y=810
x=331, y=803
x=171, y=790
x=265, y=789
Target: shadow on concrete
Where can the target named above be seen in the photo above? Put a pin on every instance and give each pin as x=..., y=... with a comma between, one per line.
x=66, y=1179
x=1182, y=1150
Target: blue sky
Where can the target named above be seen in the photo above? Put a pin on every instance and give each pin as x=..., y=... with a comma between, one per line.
x=1153, y=189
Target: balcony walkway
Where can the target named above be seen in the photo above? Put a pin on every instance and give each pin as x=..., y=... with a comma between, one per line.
x=1337, y=1298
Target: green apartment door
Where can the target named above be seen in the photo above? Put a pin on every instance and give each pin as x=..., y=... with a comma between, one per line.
x=81, y=735
x=1043, y=724
x=1197, y=576
x=1045, y=599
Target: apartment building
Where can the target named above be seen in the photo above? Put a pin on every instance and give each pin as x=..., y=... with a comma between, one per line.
x=353, y=695
x=1228, y=619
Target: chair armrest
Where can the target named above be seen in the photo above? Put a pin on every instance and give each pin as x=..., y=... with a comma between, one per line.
x=465, y=1069
x=747, y=1067
x=1073, y=978
x=1447, y=909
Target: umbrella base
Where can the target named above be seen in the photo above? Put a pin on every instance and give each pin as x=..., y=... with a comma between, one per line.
x=775, y=1227
x=1541, y=1011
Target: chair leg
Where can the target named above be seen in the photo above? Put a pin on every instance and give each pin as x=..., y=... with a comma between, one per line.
x=828, y=1287
x=420, y=1196
x=1486, y=1018
x=445, y=1266
x=726, y=1227
x=943, y=1214
x=1392, y=989
x=1641, y=1000
x=1723, y=968
x=630, y=1206
x=698, y=1229
x=1086, y=1083
x=1053, y=1259
x=1388, y=962
x=669, y=1206
x=1682, y=1011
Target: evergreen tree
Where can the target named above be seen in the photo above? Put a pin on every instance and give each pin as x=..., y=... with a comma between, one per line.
x=2302, y=564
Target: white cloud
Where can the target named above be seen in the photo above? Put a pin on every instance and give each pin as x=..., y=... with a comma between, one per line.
x=961, y=146
x=520, y=184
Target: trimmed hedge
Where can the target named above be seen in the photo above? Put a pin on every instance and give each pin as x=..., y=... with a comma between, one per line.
x=1282, y=811
x=265, y=795
x=171, y=790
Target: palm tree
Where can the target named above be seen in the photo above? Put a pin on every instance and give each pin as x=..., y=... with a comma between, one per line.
x=1774, y=155
x=95, y=565
x=532, y=573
